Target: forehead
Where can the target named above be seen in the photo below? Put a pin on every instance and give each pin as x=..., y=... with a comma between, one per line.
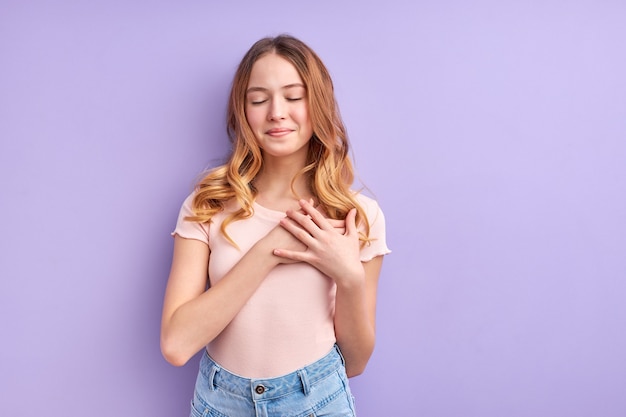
x=272, y=71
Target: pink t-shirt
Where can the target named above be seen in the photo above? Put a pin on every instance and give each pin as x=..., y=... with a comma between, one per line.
x=288, y=322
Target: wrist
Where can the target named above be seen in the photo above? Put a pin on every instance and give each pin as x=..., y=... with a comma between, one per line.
x=264, y=253
x=351, y=281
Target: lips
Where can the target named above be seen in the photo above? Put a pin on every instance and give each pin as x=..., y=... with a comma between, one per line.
x=279, y=131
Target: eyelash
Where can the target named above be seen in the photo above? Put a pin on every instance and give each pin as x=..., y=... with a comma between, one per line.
x=256, y=103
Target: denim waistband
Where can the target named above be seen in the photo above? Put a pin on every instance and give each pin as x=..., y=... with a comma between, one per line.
x=268, y=388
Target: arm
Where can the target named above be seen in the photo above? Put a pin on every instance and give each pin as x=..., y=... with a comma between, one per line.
x=355, y=317
x=193, y=315
x=338, y=256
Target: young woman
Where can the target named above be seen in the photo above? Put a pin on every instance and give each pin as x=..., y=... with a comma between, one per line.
x=286, y=311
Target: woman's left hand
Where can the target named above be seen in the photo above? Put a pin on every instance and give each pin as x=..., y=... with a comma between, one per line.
x=333, y=253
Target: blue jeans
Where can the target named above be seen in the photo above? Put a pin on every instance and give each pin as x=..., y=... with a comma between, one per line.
x=320, y=389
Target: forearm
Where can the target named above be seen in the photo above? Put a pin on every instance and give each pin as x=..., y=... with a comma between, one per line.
x=197, y=322
x=354, y=325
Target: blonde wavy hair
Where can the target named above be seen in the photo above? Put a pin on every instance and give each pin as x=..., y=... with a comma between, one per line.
x=328, y=170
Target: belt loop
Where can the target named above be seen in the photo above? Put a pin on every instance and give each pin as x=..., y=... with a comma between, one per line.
x=305, y=381
x=214, y=370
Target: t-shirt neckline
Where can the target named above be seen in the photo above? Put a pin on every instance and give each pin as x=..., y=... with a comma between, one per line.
x=266, y=212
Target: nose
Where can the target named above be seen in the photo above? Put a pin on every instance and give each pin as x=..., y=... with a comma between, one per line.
x=277, y=110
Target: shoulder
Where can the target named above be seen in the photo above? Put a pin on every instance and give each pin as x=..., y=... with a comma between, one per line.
x=362, y=198
x=188, y=201
x=377, y=241
x=369, y=205
x=187, y=206
x=187, y=228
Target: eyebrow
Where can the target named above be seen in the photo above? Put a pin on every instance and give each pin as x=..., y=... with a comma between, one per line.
x=252, y=89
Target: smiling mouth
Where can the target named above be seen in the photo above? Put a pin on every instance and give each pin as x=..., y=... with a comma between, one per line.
x=278, y=132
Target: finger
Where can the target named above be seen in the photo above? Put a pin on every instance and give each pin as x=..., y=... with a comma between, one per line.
x=305, y=221
x=351, y=222
x=301, y=210
x=301, y=218
x=297, y=229
x=317, y=217
x=321, y=209
x=290, y=254
x=337, y=223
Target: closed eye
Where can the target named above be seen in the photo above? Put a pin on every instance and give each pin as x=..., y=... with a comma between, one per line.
x=294, y=98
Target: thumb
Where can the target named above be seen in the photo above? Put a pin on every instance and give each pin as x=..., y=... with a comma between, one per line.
x=351, y=222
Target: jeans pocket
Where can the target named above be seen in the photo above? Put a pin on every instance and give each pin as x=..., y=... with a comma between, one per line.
x=338, y=407
x=202, y=407
x=195, y=412
x=333, y=397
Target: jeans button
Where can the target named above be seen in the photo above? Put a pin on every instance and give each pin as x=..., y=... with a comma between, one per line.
x=260, y=389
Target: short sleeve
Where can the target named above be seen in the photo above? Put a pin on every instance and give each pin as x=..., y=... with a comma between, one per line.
x=378, y=243
x=189, y=229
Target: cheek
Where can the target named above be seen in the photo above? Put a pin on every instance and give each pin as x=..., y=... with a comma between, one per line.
x=254, y=118
x=303, y=118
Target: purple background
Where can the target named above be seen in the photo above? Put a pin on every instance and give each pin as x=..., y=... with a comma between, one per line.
x=492, y=133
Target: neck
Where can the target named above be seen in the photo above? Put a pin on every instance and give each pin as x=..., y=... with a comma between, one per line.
x=274, y=180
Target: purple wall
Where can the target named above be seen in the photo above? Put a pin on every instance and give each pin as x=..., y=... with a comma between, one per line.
x=493, y=134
